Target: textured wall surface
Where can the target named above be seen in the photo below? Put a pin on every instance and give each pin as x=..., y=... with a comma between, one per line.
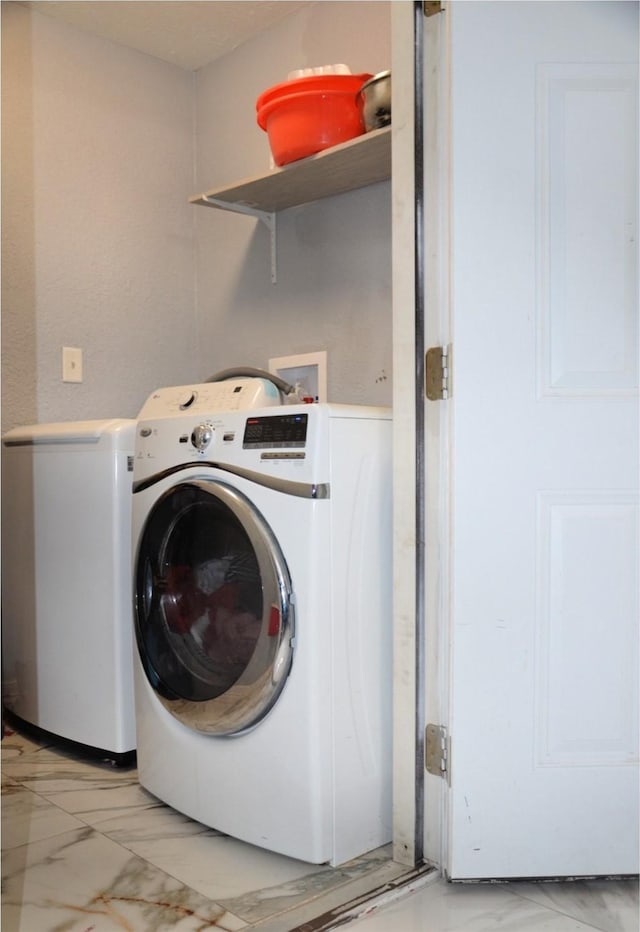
x=334, y=257
x=102, y=250
x=97, y=159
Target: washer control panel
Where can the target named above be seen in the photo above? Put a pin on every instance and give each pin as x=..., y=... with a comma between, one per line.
x=275, y=431
x=242, y=394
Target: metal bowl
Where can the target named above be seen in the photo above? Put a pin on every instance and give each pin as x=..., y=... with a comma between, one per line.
x=375, y=99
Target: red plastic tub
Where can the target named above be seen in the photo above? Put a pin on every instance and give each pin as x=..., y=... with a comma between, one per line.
x=304, y=116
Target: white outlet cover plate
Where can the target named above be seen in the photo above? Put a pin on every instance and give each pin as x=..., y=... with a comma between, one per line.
x=288, y=367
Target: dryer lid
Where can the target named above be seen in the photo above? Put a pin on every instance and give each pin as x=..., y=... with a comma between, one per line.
x=117, y=433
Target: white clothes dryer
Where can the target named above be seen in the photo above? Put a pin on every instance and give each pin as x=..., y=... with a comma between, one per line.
x=67, y=621
x=262, y=576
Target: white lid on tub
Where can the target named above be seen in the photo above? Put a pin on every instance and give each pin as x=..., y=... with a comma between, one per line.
x=72, y=432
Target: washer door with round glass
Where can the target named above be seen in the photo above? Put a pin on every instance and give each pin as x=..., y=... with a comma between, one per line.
x=213, y=615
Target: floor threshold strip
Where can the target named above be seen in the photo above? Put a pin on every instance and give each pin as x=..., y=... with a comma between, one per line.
x=369, y=902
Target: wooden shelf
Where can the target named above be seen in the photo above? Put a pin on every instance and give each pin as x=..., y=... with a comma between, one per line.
x=354, y=164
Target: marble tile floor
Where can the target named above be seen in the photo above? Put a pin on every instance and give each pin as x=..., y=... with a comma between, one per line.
x=437, y=906
x=86, y=849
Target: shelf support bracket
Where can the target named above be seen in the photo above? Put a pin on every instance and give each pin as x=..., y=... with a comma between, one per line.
x=265, y=216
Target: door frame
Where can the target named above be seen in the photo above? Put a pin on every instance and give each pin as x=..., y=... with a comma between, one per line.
x=416, y=188
x=406, y=766
x=420, y=427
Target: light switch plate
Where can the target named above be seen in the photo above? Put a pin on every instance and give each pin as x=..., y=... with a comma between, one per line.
x=71, y=364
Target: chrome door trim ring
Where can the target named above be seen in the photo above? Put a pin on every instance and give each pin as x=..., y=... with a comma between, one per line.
x=312, y=490
x=247, y=701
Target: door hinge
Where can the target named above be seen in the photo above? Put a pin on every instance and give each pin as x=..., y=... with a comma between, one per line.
x=432, y=8
x=437, y=751
x=438, y=373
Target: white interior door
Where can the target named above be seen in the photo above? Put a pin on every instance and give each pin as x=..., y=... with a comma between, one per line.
x=543, y=594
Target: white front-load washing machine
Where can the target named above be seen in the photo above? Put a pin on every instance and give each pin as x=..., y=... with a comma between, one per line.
x=262, y=577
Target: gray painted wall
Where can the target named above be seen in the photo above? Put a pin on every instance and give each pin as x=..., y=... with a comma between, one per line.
x=101, y=249
x=334, y=257
x=97, y=234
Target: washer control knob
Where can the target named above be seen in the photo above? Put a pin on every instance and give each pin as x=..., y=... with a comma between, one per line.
x=201, y=436
x=186, y=399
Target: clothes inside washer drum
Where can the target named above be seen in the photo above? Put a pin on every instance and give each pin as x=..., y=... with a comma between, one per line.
x=210, y=631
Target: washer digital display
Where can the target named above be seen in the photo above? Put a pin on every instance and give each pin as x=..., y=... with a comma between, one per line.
x=275, y=431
